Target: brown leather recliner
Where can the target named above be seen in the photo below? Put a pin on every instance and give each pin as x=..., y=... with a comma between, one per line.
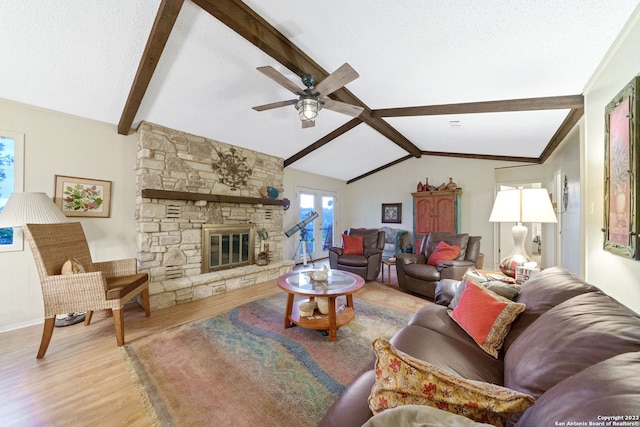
x=366, y=266
x=415, y=275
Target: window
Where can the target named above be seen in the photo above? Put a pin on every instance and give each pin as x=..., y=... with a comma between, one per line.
x=11, y=179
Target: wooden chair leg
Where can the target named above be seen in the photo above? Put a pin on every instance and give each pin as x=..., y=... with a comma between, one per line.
x=87, y=317
x=47, y=331
x=145, y=302
x=118, y=322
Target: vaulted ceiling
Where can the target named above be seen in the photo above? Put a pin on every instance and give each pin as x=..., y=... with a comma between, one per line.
x=495, y=79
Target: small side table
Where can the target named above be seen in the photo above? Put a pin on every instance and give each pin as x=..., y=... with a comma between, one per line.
x=388, y=262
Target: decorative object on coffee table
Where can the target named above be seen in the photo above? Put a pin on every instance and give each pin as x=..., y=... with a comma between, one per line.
x=319, y=275
x=307, y=308
x=323, y=305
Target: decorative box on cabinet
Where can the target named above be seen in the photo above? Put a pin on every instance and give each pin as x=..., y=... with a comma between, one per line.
x=435, y=211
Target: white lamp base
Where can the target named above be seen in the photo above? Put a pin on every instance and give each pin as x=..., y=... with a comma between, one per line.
x=519, y=255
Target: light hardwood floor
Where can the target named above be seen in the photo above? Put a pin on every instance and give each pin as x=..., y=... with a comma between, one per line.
x=83, y=381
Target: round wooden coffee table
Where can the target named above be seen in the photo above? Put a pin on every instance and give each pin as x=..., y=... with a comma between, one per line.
x=339, y=283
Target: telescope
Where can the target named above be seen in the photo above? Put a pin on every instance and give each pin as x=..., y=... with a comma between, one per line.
x=302, y=224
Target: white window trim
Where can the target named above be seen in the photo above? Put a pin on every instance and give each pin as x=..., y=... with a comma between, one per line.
x=18, y=185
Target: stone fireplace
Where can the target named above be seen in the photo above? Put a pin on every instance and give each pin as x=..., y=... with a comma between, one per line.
x=181, y=194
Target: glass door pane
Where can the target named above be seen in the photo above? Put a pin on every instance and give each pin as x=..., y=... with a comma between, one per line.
x=307, y=234
x=317, y=236
x=328, y=203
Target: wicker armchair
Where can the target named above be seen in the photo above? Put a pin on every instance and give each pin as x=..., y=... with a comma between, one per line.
x=104, y=285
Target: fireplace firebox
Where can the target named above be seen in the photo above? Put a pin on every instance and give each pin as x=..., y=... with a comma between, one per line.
x=227, y=246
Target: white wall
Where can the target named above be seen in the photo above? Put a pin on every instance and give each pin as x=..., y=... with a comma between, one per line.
x=60, y=144
x=566, y=159
x=616, y=275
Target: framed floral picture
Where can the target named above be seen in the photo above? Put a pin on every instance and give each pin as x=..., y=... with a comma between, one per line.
x=621, y=219
x=83, y=197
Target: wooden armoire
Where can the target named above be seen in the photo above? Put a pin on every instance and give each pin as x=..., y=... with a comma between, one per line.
x=435, y=211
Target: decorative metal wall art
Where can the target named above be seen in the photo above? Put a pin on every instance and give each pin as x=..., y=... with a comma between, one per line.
x=232, y=168
x=622, y=132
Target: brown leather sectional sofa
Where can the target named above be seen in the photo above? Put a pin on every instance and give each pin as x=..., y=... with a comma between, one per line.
x=574, y=348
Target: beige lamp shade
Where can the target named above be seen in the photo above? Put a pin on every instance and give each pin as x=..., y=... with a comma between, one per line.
x=523, y=205
x=30, y=208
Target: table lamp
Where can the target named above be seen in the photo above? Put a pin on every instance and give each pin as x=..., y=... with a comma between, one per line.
x=521, y=205
x=35, y=208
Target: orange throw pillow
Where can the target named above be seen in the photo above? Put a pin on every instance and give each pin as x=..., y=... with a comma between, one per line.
x=443, y=252
x=353, y=245
x=485, y=316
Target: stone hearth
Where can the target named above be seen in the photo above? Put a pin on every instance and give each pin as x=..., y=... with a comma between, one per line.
x=170, y=230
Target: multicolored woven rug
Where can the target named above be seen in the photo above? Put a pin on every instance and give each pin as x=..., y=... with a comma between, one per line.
x=243, y=368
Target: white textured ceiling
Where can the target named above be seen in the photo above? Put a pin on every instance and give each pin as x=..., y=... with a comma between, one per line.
x=80, y=57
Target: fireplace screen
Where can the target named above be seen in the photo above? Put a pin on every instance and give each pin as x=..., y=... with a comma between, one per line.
x=227, y=246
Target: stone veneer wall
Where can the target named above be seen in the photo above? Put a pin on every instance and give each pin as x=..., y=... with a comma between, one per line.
x=169, y=231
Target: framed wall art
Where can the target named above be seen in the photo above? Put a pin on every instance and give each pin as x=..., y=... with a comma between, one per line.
x=392, y=213
x=621, y=173
x=83, y=197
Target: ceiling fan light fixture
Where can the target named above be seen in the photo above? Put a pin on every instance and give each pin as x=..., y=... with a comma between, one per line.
x=308, y=108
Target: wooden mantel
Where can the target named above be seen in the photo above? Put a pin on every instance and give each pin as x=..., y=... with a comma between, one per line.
x=184, y=195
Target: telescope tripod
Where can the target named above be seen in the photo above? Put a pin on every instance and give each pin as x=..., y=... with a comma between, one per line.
x=304, y=242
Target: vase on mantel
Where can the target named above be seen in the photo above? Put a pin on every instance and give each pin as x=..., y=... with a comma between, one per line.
x=420, y=187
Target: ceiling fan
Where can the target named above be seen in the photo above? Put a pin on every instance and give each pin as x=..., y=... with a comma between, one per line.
x=314, y=97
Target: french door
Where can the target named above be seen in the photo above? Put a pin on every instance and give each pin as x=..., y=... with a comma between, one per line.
x=317, y=236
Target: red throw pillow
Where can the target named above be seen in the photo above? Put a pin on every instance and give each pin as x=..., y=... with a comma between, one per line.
x=353, y=245
x=485, y=316
x=443, y=252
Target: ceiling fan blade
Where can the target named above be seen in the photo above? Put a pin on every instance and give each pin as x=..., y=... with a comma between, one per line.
x=280, y=79
x=336, y=80
x=342, y=107
x=275, y=105
x=308, y=124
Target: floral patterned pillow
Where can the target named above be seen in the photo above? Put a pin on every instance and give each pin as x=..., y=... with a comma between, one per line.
x=404, y=380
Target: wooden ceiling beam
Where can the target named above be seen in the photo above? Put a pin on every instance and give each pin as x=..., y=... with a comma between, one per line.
x=525, y=104
x=162, y=26
x=252, y=27
x=569, y=123
x=322, y=141
x=447, y=154
x=383, y=167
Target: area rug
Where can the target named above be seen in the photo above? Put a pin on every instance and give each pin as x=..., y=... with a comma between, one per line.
x=243, y=368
